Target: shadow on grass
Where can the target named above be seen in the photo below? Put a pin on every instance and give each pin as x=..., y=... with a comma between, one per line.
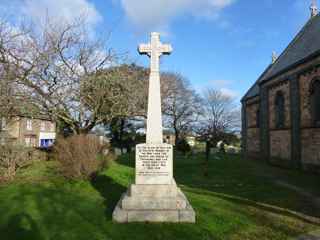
x=262, y=206
x=242, y=179
x=22, y=227
x=127, y=160
x=56, y=210
x=110, y=190
x=79, y=210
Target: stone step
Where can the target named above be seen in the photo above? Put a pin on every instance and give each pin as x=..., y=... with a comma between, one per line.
x=182, y=216
x=142, y=203
x=138, y=209
x=154, y=191
x=153, y=216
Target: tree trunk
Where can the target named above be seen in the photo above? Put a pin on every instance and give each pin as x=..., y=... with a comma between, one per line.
x=121, y=132
x=177, y=137
x=206, y=165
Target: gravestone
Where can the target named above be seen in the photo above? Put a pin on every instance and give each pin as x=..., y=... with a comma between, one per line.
x=154, y=197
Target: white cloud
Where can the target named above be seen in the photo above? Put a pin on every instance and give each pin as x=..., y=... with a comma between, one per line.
x=157, y=14
x=60, y=10
x=225, y=86
x=220, y=83
x=229, y=92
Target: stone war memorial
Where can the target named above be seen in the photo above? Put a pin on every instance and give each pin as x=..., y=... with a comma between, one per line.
x=154, y=197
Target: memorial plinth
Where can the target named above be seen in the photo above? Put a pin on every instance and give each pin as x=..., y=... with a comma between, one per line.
x=155, y=196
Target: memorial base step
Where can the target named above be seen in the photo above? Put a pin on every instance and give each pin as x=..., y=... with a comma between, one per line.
x=136, y=208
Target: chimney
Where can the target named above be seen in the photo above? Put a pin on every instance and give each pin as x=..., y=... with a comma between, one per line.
x=314, y=8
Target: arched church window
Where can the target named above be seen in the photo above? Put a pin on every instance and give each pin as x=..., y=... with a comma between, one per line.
x=279, y=110
x=315, y=102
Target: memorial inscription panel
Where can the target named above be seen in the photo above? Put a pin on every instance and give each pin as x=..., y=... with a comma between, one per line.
x=154, y=164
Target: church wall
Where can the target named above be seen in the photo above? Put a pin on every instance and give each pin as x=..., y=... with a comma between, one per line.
x=253, y=132
x=252, y=114
x=285, y=89
x=310, y=136
x=305, y=107
x=280, y=147
x=310, y=149
x=299, y=139
x=253, y=142
x=280, y=139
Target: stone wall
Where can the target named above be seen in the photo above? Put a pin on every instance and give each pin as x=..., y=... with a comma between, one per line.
x=305, y=106
x=12, y=128
x=310, y=136
x=253, y=142
x=251, y=112
x=280, y=146
x=310, y=149
x=280, y=139
x=285, y=89
x=298, y=143
x=253, y=132
x=36, y=129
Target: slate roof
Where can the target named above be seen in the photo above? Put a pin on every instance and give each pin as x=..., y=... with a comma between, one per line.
x=304, y=45
x=255, y=89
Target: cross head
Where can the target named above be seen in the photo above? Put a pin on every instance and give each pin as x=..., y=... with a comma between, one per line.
x=154, y=50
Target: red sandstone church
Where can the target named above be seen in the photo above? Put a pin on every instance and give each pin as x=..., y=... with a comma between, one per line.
x=281, y=111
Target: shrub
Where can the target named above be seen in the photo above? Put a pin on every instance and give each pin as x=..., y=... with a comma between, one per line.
x=183, y=146
x=80, y=156
x=12, y=158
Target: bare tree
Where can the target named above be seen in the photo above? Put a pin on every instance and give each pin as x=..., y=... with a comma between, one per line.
x=59, y=68
x=181, y=104
x=7, y=37
x=220, y=117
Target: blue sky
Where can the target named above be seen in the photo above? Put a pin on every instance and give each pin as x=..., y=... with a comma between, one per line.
x=225, y=44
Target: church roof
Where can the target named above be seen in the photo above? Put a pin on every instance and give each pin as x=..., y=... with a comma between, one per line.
x=304, y=45
x=255, y=89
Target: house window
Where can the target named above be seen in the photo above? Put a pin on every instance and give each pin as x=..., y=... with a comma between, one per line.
x=27, y=141
x=315, y=102
x=46, y=143
x=279, y=110
x=30, y=141
x=29, y=124
x=43, y=126
x=258, y=118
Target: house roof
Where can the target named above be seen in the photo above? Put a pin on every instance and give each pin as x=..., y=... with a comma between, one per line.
x=305, y=44
x=37, y=116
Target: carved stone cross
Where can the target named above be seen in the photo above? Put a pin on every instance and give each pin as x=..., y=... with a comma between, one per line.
x=154, y=197
x=154, y=50
x=154, y=121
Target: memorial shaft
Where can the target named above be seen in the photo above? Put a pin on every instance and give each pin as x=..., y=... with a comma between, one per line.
x=154, y=196
x=154, y=121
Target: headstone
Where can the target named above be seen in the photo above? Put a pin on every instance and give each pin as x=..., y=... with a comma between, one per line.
x=155, y=196
x=214, y=150
x=231, y=150
x=117, y=152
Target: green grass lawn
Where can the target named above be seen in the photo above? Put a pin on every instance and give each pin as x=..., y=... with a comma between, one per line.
x=238, y=200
